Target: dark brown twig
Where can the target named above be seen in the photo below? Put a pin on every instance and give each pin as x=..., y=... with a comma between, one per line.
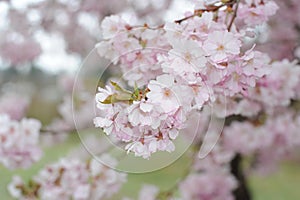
x=234, y=15
x=208, y=9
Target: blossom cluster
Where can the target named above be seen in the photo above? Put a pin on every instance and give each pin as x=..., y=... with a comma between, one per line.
x=255, y=12
x=136, y=49
x=210, y=177
x=71, y=179
x=279, y=87
x=202, y=61
x=210, y=185
x=277, y=133
x=272, y=92
x=280, y=37
x=19, y=142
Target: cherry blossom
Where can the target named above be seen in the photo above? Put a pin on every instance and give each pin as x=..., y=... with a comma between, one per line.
x=211, y=185
x=19, y=142
x=71, y=178
x=283, y=78
x=225, y=60
x=256, y=12
x=220, y=45
x=196, y=67
x=162, y=93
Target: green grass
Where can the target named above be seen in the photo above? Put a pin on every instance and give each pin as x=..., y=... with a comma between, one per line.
x=284, y=184
x=165, y=178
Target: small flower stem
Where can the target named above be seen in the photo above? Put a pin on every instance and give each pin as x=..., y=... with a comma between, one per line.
x=55, y=132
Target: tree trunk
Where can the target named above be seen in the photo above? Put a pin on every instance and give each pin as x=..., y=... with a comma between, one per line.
x=242, y=192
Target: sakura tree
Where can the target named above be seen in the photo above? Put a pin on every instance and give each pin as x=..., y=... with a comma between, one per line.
x=219, y=86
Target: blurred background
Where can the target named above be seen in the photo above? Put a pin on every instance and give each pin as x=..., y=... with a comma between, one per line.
x=43, y=44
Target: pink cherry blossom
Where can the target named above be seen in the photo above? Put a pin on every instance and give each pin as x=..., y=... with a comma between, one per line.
x=220, y=45
x=278, y=88
x=162, y=92
x=71, y=178
x=19, y=142
x=255, y=12
x=208, y=185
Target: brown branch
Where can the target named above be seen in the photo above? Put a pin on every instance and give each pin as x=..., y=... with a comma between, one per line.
x=198, y=12
x=211, y=8
x=234, y=15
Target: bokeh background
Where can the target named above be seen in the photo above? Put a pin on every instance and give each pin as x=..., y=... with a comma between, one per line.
x=43, y=44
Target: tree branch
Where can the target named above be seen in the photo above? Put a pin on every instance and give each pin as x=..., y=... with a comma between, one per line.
x=234, y=15
x=211, y=8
